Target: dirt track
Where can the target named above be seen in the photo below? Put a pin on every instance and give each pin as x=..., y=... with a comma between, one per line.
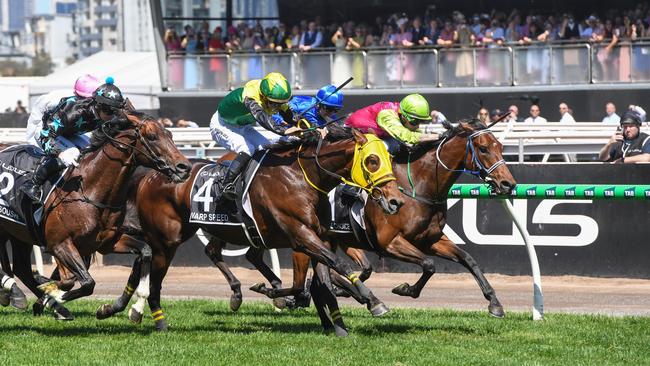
x=612, y=296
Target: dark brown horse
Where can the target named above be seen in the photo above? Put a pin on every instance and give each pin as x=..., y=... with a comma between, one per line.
x=85, y=213
x=285, y=206
x=415, y=235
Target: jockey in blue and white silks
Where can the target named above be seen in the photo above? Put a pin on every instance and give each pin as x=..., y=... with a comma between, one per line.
x=317, y=116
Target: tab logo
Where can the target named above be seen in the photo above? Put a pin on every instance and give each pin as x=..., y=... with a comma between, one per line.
x=647, y=193
x=570, y=192
x=609, y=192
x=531, y=192
x=455, y=192
x=550, y=192
x=476, y=191
x=590, y=192
x=629, y=192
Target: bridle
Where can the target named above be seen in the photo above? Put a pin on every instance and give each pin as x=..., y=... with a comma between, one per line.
x=480, y=170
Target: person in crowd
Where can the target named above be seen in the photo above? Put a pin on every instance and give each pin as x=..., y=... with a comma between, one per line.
x=172, y=41
x=628, y=144
x=184, y=123
x=20, y=108
x=448, y=35
x=166, y=122
x=514, y=114
x=396, y=123
x=340, y=41
x=216, y=43
x=535, y=115
x=611, y=117
x=232, y=125
x=191, y=42
x=63, y=132
x=431, y=35
x=565, y=113
x=495, y=114
x=51, y=102
x=483, y=115
x=312, y=38
x=418, y=32
x=403, y=37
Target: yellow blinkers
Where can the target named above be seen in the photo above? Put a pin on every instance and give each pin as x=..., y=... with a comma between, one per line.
x=363, y=177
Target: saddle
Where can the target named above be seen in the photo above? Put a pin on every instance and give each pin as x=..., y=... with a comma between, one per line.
x=237, y=214
x=17, y=163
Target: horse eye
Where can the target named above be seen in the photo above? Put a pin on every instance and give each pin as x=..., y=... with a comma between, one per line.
x=151, y=136
x=483, y=149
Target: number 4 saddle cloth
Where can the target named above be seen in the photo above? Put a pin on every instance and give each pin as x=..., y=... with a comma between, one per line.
x=17, y=163
x=235, y=218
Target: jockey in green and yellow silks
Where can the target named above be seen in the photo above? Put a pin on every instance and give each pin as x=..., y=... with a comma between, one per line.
x=232, y=125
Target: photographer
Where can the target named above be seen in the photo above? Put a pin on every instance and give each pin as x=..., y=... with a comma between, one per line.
x=628, y=144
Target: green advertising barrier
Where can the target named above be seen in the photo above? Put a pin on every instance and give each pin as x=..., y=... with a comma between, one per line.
x=556, y=191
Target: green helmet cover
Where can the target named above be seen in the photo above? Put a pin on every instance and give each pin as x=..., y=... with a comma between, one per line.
x=415, y=107
x=276, y=88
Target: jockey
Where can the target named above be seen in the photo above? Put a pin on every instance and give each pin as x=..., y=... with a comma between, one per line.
x=330, y=103
x=63, y=133
x=54, y=100
x=232, y=124
x=395, y=122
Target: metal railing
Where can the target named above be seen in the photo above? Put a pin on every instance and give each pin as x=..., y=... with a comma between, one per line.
x=547, y=64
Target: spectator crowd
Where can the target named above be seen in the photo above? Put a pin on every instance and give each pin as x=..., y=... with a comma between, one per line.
x=493, y=29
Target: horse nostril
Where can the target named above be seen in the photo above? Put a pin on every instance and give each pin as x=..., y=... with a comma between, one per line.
x=182, y=167
x=395, y=203
x=506, y=185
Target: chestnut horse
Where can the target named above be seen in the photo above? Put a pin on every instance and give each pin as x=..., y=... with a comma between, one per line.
x=415, y=235
x=285, y=202
x=84, y=214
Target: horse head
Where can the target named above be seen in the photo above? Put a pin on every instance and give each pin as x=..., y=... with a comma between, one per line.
x=372, y=170
x=483, y=154
x=149, y=143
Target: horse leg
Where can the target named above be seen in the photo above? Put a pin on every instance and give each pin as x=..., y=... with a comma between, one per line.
x=445, y=248
x=309, y=243
x=70, y=262
x=256, y=257
x=319, y=302
x=359, y=256
x=108, y=310
x=342, y=287
x=402, y=249
x=213, y=251
x=159, y=265
x=22, y=259
x=330, y=300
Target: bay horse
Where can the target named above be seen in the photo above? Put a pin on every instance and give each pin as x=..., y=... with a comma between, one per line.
x=84, y=213
x=424, y=174
x=286, y=204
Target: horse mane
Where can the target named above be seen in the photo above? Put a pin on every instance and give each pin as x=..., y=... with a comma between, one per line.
x=334, y=133
x=112, y=128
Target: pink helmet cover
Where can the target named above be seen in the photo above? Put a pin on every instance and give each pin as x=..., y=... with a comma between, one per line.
x=86, y=85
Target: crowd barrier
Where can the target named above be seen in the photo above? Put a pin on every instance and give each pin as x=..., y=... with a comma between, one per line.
x=540, y=64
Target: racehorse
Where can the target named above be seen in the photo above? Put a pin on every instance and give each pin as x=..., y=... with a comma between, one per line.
x=285, y=204
x=84, y=213
x=424, y=174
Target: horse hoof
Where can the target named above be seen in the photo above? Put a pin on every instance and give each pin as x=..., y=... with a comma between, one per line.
x=379, y=309
x=4, y=298
x=280, y=303
x=161, y=325
x=496, y=311
x=235, y=302
x=38, y=308
x=104, y=311
x=402, y=290
x=135, y=317
x=61, y=313
x=259, y=287
x=340, y=331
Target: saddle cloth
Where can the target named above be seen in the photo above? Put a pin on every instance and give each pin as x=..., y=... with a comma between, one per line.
x=17, y=163
x=347, y=208
x=205, y=188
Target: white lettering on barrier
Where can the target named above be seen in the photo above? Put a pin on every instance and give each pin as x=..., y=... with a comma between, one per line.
x=542, y=215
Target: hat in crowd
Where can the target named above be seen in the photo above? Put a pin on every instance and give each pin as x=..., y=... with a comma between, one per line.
x=495, y=112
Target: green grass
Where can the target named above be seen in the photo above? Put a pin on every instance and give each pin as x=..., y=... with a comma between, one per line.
x=206, y=332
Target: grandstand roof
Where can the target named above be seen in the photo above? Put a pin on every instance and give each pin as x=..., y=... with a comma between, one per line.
x=135, y=73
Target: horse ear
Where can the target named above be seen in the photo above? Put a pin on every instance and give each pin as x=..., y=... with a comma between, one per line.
x=450, y=126
x=359, y=137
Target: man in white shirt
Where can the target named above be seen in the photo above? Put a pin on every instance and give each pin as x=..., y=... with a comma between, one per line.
x=611, y=117
x=566, y=116
x=534, y=115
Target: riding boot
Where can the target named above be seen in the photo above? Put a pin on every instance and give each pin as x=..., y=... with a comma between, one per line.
x=228, y=190
x=32, y=187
